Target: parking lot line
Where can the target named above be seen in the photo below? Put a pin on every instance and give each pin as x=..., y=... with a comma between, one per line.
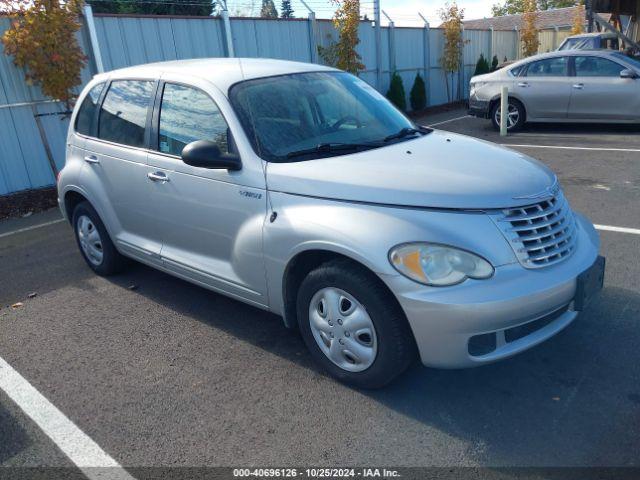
x=607, y=228
x=72, y=441
x=591, y=149
x=26, y=229
x=450, y=120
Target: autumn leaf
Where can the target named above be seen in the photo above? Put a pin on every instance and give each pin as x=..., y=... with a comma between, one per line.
x=42, y=40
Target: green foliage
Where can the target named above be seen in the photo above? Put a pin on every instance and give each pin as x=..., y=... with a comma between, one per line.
x=515, y=7
x=495, y=63
x=482, y=66
x=268, y=9
x=396, y=93
x=329, y=54
x=152, y=7
x=418, y=94
x=286, y=11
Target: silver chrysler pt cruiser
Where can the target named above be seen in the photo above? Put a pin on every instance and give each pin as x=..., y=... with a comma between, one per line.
x=299, y=189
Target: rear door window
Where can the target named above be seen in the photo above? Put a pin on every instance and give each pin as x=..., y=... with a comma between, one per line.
x=123, y=115
x=187, y=115
x=549, y=67
x=87, y=112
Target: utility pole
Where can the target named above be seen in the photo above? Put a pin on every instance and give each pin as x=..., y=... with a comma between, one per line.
x=378, y=37
x=313, y=33
x=427, y=57
x=227, y=29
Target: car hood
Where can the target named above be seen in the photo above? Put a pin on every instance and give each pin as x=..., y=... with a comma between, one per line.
x=438, y=170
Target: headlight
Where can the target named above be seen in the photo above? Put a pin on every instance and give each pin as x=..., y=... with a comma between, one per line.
x=438, y=265
x=475, y=87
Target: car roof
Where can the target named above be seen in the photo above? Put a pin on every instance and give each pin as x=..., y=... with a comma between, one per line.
x=566, y=53
x=222, y=72
x=594, y=34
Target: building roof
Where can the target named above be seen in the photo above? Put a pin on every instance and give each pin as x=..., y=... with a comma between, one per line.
x=560, y=17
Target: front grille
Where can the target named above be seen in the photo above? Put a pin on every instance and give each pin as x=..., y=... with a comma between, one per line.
x=541, y=234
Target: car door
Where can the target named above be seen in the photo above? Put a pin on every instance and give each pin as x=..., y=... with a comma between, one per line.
x=211, y=220
x=599, y=93
x=85, y=125
x=117, y=171
x=545, y=88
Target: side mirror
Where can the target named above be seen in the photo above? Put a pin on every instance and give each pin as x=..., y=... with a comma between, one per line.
x=206, y=154
x=627, y=73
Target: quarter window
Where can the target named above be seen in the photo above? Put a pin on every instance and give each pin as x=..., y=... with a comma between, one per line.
x=549, y=67
x=187, y=115
x=123, y=115
x=597, y=67
x=87, y=112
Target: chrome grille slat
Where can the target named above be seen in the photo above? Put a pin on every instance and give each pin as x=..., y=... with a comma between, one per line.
x=530, y=216
x=545, y=244
x=541, y=234
x=535, y=236
x=547, y=256
x=537, y=226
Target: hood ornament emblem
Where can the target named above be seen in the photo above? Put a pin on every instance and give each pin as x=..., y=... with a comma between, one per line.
x=549, y=192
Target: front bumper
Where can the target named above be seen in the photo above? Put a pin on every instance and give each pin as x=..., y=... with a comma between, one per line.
x=444, y=320
x=479, y=108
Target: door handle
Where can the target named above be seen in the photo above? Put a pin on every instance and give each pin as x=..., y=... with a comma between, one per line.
x=523, y=84
x=91, y=159
x=158, y=177
x=579, y=86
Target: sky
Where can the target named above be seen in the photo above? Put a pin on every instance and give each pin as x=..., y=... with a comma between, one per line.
x=403, y=12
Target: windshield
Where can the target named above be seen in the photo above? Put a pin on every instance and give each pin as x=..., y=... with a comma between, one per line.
x=302, y=116
x=579, y=43
x=631, y=60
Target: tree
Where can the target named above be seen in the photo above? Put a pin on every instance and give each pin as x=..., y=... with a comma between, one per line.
x=452, y=17
x=286, y=11
x=418, y=95
x=494, y=63
x=529, y=35
x=396, y=93
x=342, y=54
x=482, y=66
x=153, y=7
x=42, y=41
x=515, y=7
x=268, y=9
x=578, y=21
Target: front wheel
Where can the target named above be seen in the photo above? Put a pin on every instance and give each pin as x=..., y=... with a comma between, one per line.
x=353, y=326
x=515, y=118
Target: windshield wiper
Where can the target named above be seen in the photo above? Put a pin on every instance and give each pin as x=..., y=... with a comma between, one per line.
x=332, y=147
x=405, y=132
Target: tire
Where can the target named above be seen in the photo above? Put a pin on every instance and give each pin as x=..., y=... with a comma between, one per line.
x=383, y=350
x=518, y=110
x=99, y=252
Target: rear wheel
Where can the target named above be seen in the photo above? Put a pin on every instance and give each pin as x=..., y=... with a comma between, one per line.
x=353, y=326
x=95, y=244
x=515, y=118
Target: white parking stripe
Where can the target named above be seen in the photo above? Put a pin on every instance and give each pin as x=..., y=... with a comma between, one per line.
x=590, y=149
x=450, y=120
x=607, y=228
x=26, y=229
x=80, y=449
